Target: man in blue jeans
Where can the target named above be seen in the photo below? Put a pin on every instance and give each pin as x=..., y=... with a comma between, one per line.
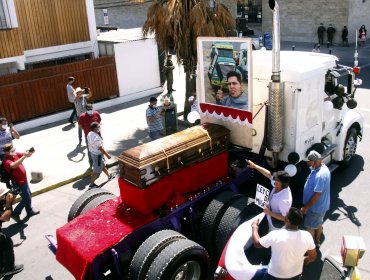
x=13, y=165
x=153, y=119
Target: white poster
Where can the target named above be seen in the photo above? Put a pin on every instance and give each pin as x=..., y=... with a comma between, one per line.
x=262, y=196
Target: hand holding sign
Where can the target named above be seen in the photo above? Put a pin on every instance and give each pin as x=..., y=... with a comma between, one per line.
x=262, y=196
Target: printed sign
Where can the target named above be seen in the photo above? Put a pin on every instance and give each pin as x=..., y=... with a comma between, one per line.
x=262, y=196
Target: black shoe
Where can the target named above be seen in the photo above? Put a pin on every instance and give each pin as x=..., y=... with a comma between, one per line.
x=14, y=270
x=16, y=218
x=173, y=90
x=93, y=186
x=33, y=213
x=80, y=142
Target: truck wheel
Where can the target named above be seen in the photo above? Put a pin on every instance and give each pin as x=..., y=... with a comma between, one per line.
x=149, y=250
x=97, y=201
x=350, y=146
x=232, y=218
x=212, y=217
x=84, y=199
x=183, y=259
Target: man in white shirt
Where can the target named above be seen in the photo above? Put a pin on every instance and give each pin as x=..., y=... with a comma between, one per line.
x=97, y=151
x=288, y=247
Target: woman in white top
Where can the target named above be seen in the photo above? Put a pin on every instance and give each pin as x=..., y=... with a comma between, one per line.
x=280, y=199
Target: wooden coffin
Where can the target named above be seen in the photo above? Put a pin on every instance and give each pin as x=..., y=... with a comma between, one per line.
x=145, y=164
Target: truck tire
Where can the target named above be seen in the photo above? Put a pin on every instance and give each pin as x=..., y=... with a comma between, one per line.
x=212, y=217
x=84, y=199
x=232, y=218
x=97, y=201
x=149, y=250
x=183, y=259
x=350, y=146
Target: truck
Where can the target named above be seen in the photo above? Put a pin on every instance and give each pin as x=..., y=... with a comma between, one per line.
x=222, y=61
x=183, y=196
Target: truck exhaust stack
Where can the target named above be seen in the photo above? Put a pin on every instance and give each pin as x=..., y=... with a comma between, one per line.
x=275, y=111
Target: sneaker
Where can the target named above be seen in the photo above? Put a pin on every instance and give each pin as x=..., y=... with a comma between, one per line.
x=14, y=270
x=16, y=218
x=33, y=213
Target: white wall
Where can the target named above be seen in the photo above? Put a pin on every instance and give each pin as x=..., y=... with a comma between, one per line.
x=137, y=68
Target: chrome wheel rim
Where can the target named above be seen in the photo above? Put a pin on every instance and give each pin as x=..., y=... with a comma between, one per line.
x=350, y=147
x=188, y=271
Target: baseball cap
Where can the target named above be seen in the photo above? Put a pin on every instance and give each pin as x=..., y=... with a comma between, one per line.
x=8, y=148
x=282, y=176
x=313, y=155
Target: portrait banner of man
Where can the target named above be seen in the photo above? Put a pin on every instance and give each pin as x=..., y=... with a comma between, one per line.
x=224, y=85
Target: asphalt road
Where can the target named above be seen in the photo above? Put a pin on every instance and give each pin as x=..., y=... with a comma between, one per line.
x=348, y=214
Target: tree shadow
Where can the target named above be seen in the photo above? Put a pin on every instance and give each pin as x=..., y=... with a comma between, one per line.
x=79, y=150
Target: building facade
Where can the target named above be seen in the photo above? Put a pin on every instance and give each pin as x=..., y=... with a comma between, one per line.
x=299, y=20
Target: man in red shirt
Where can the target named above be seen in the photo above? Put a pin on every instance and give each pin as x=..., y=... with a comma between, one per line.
x=13, y=165
x=85, y=121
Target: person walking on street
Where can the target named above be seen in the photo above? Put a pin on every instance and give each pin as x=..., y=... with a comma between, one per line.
x=153, y=119
x=97, y=151
x=291, y=248
x=168, y=68
x=71, y=98
x=13, y=165
x=362, y=35
x=330, y=33
x=84, y=122
x=316, y=196
x=320, y=33
x=7, y=264
x=280, y=199
x=82, y=96
x=345, y=36
x=7, y=134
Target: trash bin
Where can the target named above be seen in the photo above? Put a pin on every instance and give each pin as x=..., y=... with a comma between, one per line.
x=169, y=119
x=267, y=39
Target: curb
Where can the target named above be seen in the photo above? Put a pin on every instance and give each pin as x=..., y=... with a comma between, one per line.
x=63, y=183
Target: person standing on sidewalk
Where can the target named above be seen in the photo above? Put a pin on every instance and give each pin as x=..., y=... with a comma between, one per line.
x=82, y=96
x=84, y=122
x=7, y=266
x=71, y=98
x=168, y=68
x=7, y=134
x=320, y=33
x=153, y=119
x=345, y=36
x=316, y=196
x=330, y=33
x=13, y=165
x=97, y=151
x=362, y=34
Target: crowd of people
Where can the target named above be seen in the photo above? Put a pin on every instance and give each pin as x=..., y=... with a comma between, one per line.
x=330, y=33
x=290, y=246
x=17, y=183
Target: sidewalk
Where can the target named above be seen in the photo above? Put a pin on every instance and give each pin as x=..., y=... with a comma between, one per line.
x=62, y=161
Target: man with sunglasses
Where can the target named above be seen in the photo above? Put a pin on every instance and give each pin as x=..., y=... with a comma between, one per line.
x=236, y=98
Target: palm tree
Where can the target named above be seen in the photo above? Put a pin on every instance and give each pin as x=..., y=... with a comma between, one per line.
x=177, y=24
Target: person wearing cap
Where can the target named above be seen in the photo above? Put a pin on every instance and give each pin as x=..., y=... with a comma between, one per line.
x=84, y=122
x=280, y=199
x=82, y=96
x=7, y=134
x=168, y=67
x=95, y=142
x=316, y=196
x=291, y=248
x=7, y=265
x=71, y=98
x=153, y=119
x=13, y=165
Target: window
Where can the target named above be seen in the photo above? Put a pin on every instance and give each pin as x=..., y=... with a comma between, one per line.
x=8, y=18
